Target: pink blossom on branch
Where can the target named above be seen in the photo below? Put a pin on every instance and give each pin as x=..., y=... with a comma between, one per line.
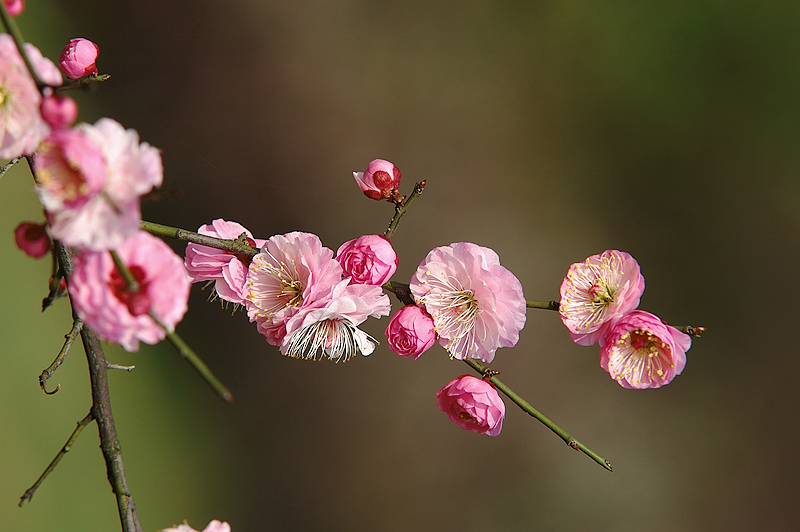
x=369, y=259
x=472, y=404
x=410, y=332
x=210, y=264
x=32, y=239
x=291, y=272
x=59, y=111
x=21, y=125
x=640, y=351
x=328, y=327
x=78, y=58
x=213, y=526
x=476, y=304
x=90, y=180
x=380, y=181
x=14, y=7
x=598, y=291
x=102, y=300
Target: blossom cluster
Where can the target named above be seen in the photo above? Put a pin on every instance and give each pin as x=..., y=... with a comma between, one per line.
x=599, y=297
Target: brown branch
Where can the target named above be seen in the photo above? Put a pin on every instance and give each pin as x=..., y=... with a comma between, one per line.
x=101, y=412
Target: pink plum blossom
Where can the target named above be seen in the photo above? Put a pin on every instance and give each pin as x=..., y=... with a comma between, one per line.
x=229, y=272
x=380, y=181
x=640, y=351
x=598, y=291
x=328, y=327
x=21, y=125
x=90, y=180
x=32, y=239
x=101, y=297
x=59, y=111
x=291, y=272
x=410, y=332
x=14, y=7
x=78, y=58
x=473, y=404
x=213, y=526
x=369, y=259
x=476, y=304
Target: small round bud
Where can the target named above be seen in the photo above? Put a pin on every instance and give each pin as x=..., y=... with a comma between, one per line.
x=59, y=111
x=78, y=58
x=380, y=181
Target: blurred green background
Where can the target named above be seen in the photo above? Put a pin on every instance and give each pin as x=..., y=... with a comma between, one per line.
x=548, y=131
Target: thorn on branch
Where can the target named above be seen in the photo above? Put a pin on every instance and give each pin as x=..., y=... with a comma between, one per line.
x=123, y=368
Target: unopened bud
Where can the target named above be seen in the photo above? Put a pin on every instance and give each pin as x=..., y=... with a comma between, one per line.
x=59, y=111
x=380, y=181
x=78, y=58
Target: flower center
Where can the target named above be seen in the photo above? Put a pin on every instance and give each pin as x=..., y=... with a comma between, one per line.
x=138, y=302
x=336, y=339
x=641, y=357
x=3, y=96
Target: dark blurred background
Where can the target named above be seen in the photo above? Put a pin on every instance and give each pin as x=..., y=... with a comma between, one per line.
x=548, y=131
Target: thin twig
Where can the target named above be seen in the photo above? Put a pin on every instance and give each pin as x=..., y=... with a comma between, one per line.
x=526, y=406
x=544, y=305
x=182, y=347
x=123, y=368
x=28, y=495
x=401, y=208
x=232, y=246
x=77, y=325
x=6, y=167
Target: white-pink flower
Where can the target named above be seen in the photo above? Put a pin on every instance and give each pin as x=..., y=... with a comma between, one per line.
x=472, y=404
x=21, y=125
x=328, y=327
x=368, y=259
x=598, y=291
x=213, y=526
x=292, y=271
x=90, y=180
x=229, y=272
x=476, y=304
x=102, y=300
x=640, y=351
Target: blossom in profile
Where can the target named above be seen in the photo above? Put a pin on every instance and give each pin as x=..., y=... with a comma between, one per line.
x=410, y=332
x=328, y=327
x=32, y=239
x=21, y=125
x=369, y=259
x=213, y=526
x=291, y=272
x=14, y=7
x=228, y=271
x=472, y=404
x=640, y=351
x=598, y=291
x=102, y=299
x=90, y=179
x=476, y=304
x=380, y=181
x=78, y=58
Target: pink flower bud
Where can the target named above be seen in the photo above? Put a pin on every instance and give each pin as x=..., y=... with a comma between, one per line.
x=473, y=404
x=368, y=259
x=380, y=181
x=32, y=239
x=640, y=351
x=410, y=332
x=59, y=111
x=14, y=7
x=77, y=59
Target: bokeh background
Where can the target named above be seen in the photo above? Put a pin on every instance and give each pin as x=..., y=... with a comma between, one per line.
x=548, y=131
